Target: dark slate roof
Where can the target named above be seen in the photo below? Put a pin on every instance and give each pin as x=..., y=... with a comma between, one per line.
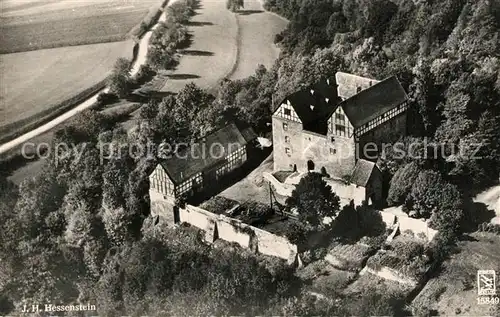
x=197, y=158
x=362, y=172
x=315, y=96
x=374, y=101
x=248, y=134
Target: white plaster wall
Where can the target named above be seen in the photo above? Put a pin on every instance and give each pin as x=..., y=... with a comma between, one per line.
x=273, y=245
x=199, y=218
x=281, y=188
x=228, y=232
x=390, y=275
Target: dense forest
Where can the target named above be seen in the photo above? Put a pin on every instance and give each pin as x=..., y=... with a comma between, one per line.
x=81, y=232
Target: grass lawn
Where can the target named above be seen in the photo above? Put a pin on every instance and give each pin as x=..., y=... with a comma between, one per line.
x=212, y=53
x=36, y=24
x=256, y=38
x=38, y=80
x=454, y=290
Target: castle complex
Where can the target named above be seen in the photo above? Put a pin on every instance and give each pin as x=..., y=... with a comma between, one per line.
x=337, y=125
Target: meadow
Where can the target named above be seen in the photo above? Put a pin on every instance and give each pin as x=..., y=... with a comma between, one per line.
x=213, y=49
x=38, y=81
x=38, y=24
x=256, y=36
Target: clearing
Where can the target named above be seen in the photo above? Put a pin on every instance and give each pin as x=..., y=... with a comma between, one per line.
x=256, y=38
x=39, y=80
x=36, y=24
x=454, y=290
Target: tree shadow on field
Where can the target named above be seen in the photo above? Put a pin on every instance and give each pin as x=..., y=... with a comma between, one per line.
x=196, y=23
x=197, y=53
x=186, y=43
x=249, y=12
x=182, y=76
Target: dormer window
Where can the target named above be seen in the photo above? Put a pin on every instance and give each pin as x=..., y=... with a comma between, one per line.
x=358, y=89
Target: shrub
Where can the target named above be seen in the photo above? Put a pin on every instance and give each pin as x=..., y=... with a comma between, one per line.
x=401, y=183
x=106, y=98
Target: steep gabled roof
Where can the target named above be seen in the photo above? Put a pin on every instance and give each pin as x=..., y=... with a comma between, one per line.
x=204, y=153
x=374, y=101
x=362, y=172
x=314, y=104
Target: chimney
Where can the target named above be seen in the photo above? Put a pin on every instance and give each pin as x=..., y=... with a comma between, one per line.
x=312, y=107
x=326, y=99
x=312, y=91
x=328, y=81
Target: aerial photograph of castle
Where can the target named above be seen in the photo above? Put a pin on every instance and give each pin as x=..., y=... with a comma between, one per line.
x=250, y=158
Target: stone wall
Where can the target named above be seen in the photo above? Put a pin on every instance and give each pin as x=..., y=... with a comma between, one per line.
x=418, y=227
x=274, y=245
x=348, y=84
x=161, y=206
x=389, y=274
x=233, y=231
x=228, y=229
x=201, y=219
x=282, y=189
x=337, y=156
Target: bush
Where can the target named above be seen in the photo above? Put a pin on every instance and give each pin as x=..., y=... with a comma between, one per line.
x=489, y=227
x=107, y=98
x=401, y=183
x=278, y=38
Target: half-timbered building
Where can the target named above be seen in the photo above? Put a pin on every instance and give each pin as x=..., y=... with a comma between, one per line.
x=202, y=164
x=329, y=125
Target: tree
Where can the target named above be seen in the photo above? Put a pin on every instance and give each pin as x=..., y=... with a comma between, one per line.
x=235, y=5
x=401, y=183
x=314, y=200
x=119, y=81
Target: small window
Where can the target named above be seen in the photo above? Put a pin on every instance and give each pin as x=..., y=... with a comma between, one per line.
x=333, y=151
x=340, y=117
x=332, y=139
x=287, y=139
x=358, y=89
x=287, y=150
x=287, y=112
x=340, y=130
x=285, y=126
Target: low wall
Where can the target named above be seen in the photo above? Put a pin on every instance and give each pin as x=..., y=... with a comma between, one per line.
x=273, y=245
x=233, y=230
x=389, y=274
x=201, y=219
x=417, y=226
x=160, y=206
x=281, y=188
